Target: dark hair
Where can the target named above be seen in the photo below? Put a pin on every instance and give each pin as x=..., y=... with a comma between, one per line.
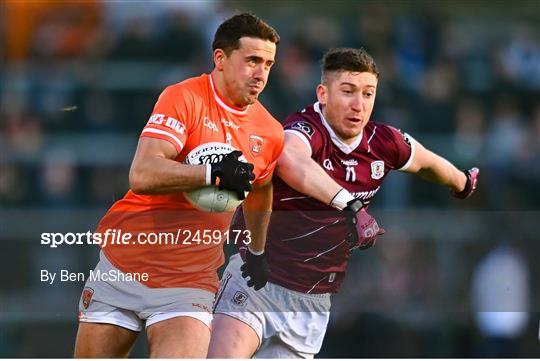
x=348, y=59
x=231, y=30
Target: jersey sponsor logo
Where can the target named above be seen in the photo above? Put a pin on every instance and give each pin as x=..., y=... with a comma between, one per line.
x=377, y=169
x=350, y=162
x=365, y=195
x=170, y=122
x=303, y=127
x=209, y=153
x=210, y=124
x=327, y=164
x=230, y=124
x=239, y=298
x=87, y=297
x=255, y=144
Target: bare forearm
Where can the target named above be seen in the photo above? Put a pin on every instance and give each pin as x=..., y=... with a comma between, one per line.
x=443, y=172
x=307, y=177
x=257, y=209
x=159, y=175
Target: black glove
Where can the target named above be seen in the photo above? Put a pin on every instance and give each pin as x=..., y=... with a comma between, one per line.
x=470, y=186
x=232, y=174
x=363, y=227
x=257, y=268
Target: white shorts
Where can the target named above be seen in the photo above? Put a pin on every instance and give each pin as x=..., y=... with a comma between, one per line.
x=130, y=304
x=288, y=323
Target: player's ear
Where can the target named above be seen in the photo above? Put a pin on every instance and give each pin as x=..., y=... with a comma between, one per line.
x=219, y=57
x=322, y=93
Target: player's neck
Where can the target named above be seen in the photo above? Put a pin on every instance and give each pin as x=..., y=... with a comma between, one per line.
x=221, y=91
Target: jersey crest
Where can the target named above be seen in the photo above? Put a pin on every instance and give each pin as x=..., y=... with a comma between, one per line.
x=377, y=169
x=255, y=144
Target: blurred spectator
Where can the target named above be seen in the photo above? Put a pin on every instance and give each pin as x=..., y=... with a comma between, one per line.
x=500, y=297
x=49, y=28
x=372, y=27
x=470, y=122
x=98, y=109
x=58, y=177
x=13, y=185
x=318, y=33
x=23, y=133
x=180, y=41
x=136, y=42
x=64, y=34
x=438, y=87
x=412, y=40
x=528, y=168
x=520, y=58
x=504, y=140
x=295, y=80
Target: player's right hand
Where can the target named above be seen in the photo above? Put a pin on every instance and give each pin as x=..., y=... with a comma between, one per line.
x=364, y=228
x=232, y=174
x=470, y=185
x=257, y=269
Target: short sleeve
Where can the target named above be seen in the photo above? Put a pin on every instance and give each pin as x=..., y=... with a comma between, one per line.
x=278, y=149
x=170, y=117
x=404, y=148
x=307, y=132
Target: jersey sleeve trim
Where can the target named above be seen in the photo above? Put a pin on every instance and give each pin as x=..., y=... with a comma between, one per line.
x=408, y=163
x=302, y=137
x=152, y=132
x=265, y=175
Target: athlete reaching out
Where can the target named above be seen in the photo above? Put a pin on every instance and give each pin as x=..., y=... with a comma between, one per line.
x=334, y=162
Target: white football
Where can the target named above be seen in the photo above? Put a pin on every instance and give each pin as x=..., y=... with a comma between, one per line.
x=210, y=198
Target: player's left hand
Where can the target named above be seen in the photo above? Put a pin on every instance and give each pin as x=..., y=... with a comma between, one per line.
x=257, y=269
x=470, y=185
x=364, y=228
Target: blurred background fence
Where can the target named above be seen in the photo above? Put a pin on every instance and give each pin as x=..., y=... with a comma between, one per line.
x=78, y=80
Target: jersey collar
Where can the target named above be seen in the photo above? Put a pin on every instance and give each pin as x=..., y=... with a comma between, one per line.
x=221, y=101
x=344, y=147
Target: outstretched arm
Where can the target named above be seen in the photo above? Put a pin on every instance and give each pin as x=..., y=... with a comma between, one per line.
x=437, y=169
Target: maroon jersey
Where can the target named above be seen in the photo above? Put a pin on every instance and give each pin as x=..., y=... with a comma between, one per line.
x=306, y=242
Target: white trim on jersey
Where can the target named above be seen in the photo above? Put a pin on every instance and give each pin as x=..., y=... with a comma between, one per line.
x=162, y=132
x=222, y=104
x=328, y=250
x=369, y=140
x=315, y=285
x=345, y=148
x=302, y=137
x=408, y=163
x=291, y=198
x=309, y=233
x=372, y=134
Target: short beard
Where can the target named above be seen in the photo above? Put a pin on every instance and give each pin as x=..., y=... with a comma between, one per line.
x=251, y=99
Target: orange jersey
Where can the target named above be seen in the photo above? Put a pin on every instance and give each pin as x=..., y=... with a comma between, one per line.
x=187, y=115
